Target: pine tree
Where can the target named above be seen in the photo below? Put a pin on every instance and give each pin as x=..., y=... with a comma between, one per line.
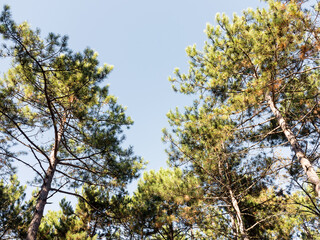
x=15, y=212
x=258, y=75
x=54, y=105
x=92, y=218
x=256, y=87
x=160, y=207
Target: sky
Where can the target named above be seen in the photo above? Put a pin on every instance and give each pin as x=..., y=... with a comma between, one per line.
x=145, y=40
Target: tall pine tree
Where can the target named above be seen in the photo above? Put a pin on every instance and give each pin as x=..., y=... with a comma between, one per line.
x=256, y=87
x=55, y=105
x=257, y=83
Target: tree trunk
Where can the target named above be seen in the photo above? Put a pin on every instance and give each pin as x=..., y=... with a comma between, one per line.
x=41, y=202
x=238, y=216
x=45, y=188
x=304, y=161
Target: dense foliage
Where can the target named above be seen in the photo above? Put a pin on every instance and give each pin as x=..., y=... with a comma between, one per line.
x=243, y=157
x=54, y=107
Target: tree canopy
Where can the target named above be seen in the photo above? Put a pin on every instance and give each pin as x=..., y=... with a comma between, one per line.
x=55, y=105
x=256, y=87
x=243, y=158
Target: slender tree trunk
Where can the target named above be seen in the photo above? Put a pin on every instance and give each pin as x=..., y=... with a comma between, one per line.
x=41, y=202
x=234, y=223
x=240, y=224
x=45, y=188
x=304, y=161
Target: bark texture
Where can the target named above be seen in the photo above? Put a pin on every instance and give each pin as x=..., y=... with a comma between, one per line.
x=45, y=188
x=41, y=202
x=304, y=161
x=239, y=221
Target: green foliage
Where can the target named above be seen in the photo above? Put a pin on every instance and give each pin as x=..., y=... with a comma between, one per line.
x=229, y=137
x=55, y=105
x=51, y=89
x=93, y=218
x=15, y=213
x=160, y=208
x=244, y=59
x=228, y=141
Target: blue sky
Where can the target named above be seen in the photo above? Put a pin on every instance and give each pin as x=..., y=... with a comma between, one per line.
x=144, y=40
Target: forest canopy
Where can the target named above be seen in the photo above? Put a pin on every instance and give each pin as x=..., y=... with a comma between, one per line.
x=243, y=158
